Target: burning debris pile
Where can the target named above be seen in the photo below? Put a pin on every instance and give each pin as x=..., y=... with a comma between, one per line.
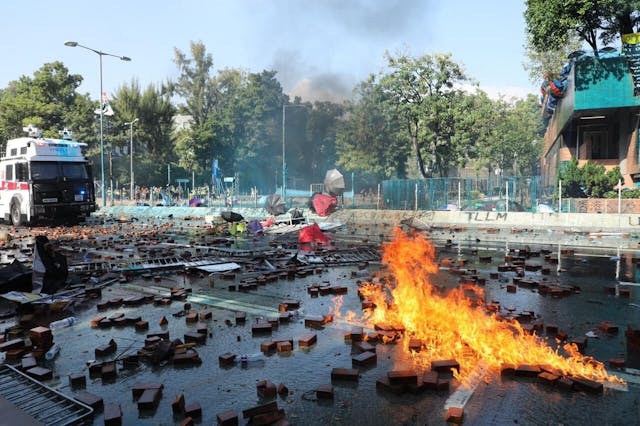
x=457, y=325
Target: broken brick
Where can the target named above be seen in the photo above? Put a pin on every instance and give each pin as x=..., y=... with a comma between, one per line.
x=383, y=384
x=283, y=390
x=177, y=406
x=266, y=389
x=149, y=399
x=187, y=357
x=12, y=344
x=402, y=376
x=227, y=418
x=227, y=359
x=193, y=410
x=268, y=346
x=261, y=327
x=324, y=392
x=138, y=389
x=90, y=399
x=430, y=380
x=356, y=334
x=345, y=374
x=241, y=317
x=198, y=338
x=365, y=358
x=142, y=325
x=314, y=321
x=40, y=373
x=77, y=380
x=260, y=409
x=188, y=421
x=112, y=415
x=107, y=349
x=365, y=347
x=527, y=370
x=108, y=371
x=284, y=346
x=308, y=340
x=273, y=418
x=547, y=378
x=445, y=365
x=454, y=415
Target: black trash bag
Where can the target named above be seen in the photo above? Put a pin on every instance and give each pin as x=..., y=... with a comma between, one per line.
x=50, y=270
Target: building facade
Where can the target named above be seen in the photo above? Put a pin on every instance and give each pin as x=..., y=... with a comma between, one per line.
x=594, y=118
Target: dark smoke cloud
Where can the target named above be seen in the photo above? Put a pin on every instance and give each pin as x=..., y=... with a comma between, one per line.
x=375, y=18
x=366, y=28
x=299, y=79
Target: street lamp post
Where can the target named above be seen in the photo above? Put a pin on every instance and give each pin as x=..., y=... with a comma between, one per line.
x=100, y=54
x=130, y=124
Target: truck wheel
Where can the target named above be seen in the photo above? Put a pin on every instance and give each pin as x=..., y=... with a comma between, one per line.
x=16, y=217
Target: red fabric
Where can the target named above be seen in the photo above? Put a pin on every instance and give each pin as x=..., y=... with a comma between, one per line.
x=267, y=223
x=324, y=205
x=312, y=234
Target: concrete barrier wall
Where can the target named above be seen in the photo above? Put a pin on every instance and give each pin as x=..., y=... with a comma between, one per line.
x=586, y=221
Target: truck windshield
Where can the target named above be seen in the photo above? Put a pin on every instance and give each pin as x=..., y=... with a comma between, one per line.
x=74, y=171
x=49, y=170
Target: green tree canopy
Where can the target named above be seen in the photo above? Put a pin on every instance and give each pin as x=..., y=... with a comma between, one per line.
x=370, y=137
x=47, y=100
x=551, y=23
x=426, y=92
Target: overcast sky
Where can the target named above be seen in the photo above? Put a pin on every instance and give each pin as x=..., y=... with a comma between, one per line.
x=321, y=49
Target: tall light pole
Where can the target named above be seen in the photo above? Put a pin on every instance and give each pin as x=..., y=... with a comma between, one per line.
x=284, y=162
x=100, y=54
x=130, y=124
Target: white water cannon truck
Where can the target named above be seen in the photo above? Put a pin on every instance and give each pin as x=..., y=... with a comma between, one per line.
x=45, y=180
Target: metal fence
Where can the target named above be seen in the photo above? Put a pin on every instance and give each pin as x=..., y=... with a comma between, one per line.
x=523, y=193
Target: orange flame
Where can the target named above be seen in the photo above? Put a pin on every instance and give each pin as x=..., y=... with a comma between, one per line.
x=456, y=325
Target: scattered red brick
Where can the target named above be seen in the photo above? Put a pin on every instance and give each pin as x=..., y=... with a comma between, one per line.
x=177, y=406
x=283, y=390
x=445, y=365
x=40, y=373
x=454, y=415
x=345, y=374
x=402, y=377
x=112, y=415
x=227, y=418
x=149, y=399
x=547, y=378
x=266, y=389
x=324, y=392
x=90, y=399
x=308, y=340
x=365, y=358
x=138, y=389
x=527, y=370
x=193, y=410
x=77, y=380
